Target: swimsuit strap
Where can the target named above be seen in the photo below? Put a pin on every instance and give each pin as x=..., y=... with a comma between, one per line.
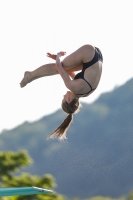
x=89, y=91
x=88, y=83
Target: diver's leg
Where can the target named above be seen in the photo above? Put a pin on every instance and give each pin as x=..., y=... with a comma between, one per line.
x=81, y=55
x=44, y=70
x=71, y=63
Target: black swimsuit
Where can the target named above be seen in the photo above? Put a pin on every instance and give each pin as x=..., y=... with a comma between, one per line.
x=98, y=56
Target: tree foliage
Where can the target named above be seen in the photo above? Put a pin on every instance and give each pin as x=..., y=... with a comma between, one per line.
x=10, y=163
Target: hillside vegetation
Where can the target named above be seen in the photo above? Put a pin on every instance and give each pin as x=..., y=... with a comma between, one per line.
x=97, y=157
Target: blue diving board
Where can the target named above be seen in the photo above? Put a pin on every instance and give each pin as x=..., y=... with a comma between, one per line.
x=17, y=191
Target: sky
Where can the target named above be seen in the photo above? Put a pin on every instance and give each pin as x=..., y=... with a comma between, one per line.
x=31, y=28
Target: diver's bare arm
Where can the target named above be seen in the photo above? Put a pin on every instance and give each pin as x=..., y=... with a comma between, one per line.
x=68, y=82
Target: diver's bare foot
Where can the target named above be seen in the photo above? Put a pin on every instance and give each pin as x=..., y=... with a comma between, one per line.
x=27, y=79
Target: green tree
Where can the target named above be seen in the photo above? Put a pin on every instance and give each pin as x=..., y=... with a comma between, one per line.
x=10, y=163
x=130, y=196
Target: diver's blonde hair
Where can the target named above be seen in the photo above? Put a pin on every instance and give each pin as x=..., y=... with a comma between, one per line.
x=70, y=108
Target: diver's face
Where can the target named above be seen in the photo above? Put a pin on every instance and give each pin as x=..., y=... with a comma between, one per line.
x=68, y=97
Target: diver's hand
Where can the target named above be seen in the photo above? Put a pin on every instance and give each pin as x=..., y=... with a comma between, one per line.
x=53, y=56
x=61, y=53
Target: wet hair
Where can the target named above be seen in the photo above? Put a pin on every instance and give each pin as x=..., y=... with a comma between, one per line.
x=70, y=108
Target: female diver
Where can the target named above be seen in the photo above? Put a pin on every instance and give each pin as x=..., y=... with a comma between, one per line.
x=88, y=60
